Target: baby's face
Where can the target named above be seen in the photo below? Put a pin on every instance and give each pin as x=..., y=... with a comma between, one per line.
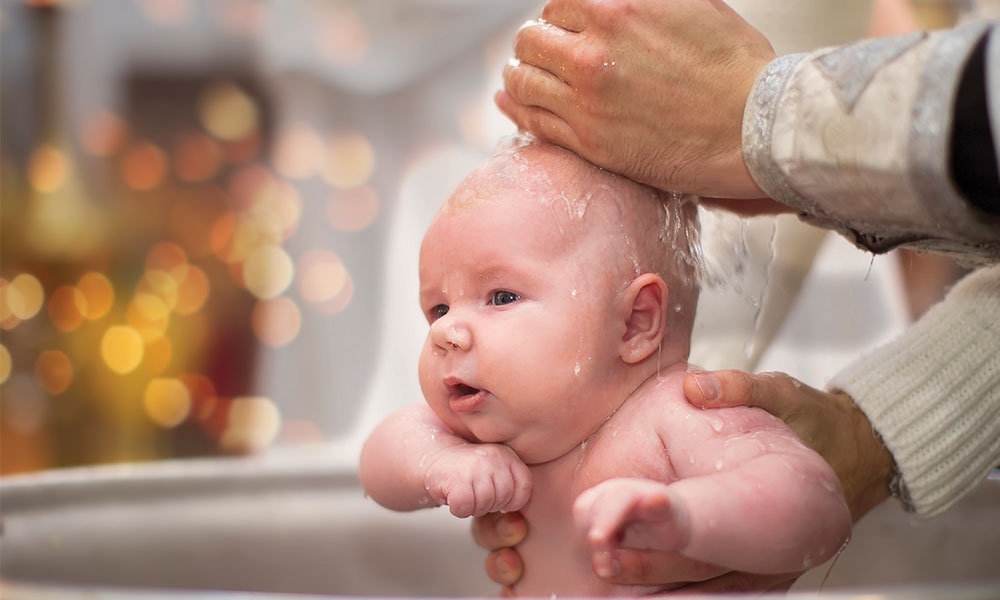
x=519, y=306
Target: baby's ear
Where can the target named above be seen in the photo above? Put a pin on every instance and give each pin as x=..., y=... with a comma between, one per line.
x=645, y=301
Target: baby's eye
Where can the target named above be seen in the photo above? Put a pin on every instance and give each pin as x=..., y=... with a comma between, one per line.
x=438, y=311
x=503, y=297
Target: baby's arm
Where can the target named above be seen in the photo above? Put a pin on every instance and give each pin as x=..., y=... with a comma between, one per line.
x=413, y=460
x=750, y=497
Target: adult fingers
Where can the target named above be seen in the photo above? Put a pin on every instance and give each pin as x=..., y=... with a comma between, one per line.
x=505, y=567
x=499, y=530
x=547, y=47
x=567, y=14
x=543, y=123
x=777, y=393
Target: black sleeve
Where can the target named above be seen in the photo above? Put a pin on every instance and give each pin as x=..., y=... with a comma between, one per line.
x=973, y=154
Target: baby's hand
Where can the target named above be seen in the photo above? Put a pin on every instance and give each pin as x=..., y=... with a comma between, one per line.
x=630, y=513
x=475, y=479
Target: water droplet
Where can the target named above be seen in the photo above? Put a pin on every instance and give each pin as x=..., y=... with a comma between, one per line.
x=576, y=369
x=718, y=464
x=715, y=424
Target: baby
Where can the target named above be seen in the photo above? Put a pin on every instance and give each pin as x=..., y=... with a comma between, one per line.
x=560, y=299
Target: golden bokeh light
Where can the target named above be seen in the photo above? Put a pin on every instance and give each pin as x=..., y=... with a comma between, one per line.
x=243, y=150
x=24, y=296
x=143, y=166
x=149, y=316
x=267, y=271
x=53, y=371
x=320, y=276
x=227, y=112
x=161, y=284
x=193, y=291
x=48, y=168
x=276, y=322
x=6, y=364
x=5, y=310
x=252, y=425
x=103, y=133
x=353, y=209
x=350, y=161
x=298, y=152
x=98, y=294
x=122, y=349
x=67, y=308
x=167, y=401
x=339, y=302
x=245, y=183
x=196, y=157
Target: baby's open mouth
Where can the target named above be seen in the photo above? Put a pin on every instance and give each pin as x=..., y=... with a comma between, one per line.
x=461, y=389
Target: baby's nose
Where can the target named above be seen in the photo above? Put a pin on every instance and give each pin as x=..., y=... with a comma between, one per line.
x=451, y=334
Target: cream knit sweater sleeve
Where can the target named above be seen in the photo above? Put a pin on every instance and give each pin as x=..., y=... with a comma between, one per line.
x=933, y=395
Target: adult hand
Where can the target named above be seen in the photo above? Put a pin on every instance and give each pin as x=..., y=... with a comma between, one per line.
x=500, y=532
x=829, y=423
x=650, y=89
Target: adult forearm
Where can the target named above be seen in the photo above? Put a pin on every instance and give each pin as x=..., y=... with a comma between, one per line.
x=933, y=395
x=860, y=139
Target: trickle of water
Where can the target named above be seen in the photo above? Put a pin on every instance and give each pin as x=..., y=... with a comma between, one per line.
x=715, y=424
x=718, y=464
x=833, y=563
x=576, y=369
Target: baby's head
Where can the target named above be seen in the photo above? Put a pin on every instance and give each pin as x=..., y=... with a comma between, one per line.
x=546, y=280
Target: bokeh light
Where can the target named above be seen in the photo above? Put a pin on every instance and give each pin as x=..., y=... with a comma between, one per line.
x=5, y=363
x=157, y=356
x=298, y=152
x=161, y=284
x=227, y=112
x=193, y=291
x=24, y=296
x=320, y=276
x=122, y=349
x=148, y=316
x=276, y=322
x=168, y=257
x=253, y=423
x=350, y=161
x=53, y=371
x=48, y=168
x=196, y=157
x=191, y=218
x=67, y=308
x=98, y=294
x=25, y=407
x=353, y=209
x=143, y=166
x=167, y=401
x=267, y=271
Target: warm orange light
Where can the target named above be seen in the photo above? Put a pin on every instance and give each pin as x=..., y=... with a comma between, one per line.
x=143, y=166
x=98, y=294
x=193, y=292
x=157, y=356
x=168, y=257
x=320, y=276
x=53, y=371
x=298, y=152
x=253, y=424
x=191, y=218
x=148, y=315
x=67, y=308
x=24, y=296
x=276, y=322
x=161, y=284
x=6, y=364
x=202, y=393
x=167, y=401
x=122, y=349
x=197, y=157
x=48, y=168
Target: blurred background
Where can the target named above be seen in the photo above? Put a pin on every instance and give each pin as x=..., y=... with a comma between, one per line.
x=196, y=197
x=199, y=199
